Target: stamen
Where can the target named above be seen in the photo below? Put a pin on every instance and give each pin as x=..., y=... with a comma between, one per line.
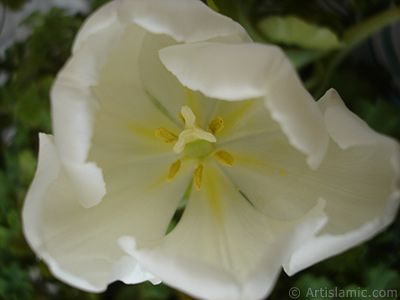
x=165, y=135
x=180, y=116
x=224, y=158
x=216, y=125
x=198, y=177
x=173, y=169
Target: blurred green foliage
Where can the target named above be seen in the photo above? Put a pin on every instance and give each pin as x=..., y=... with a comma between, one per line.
x=13, y=4
x=294, y=31
x=31, y=67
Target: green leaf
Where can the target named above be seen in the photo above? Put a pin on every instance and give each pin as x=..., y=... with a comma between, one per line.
x=228, y=8
x=313, y=287
x=382, y=277
x=354, y=292
x=381, y=115
x=32, y=107
x=301, y=58
x=98, y=3
x=212, y=5
x=27, y=163
x=293, y=31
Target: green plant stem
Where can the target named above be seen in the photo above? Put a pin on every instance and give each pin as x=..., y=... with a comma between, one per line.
x=361, y=31
x=354, y=36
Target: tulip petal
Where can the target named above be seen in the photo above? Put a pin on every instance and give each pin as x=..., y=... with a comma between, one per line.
x=266, y=166
x=97, y=22
x=231, y=246
x=72, y=100
x=181, y=20
x=158, y=82
x=243, y=119
x=127, y=117
x=360, y=181
x=164, y=88
x=79, y=244
x=265, y=162
x=253, y=71
x=74, y=107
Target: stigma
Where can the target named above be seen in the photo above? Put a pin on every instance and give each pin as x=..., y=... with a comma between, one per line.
x=192, y=133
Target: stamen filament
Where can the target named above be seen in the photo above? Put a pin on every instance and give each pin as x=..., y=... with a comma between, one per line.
x=173, y=169
x=216, y=125
x=165, y=135
x=198, y=177
x=224, y=158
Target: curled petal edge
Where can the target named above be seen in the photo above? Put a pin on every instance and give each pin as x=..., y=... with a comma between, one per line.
x=72, y=102
x=181, y=20
x=327, y=245
x=48, y=169
x=306, y=255
x=127, y=269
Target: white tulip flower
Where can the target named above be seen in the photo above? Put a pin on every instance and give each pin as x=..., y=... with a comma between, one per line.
x=165, y=98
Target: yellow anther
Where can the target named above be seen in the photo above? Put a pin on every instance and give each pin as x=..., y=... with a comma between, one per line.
x=216, y=125
x=165, y=135
x=173, y=169
x=224, y=158
x=180, y=116
x=198, y=176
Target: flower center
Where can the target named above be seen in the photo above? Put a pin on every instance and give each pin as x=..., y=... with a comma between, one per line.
x=198, y=140
x=194, y=143
x=199, y=148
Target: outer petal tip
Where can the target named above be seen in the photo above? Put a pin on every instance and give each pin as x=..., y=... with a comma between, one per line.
x=181, y=20
x=89, y=183
x=344, y=127
x=98, y=21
